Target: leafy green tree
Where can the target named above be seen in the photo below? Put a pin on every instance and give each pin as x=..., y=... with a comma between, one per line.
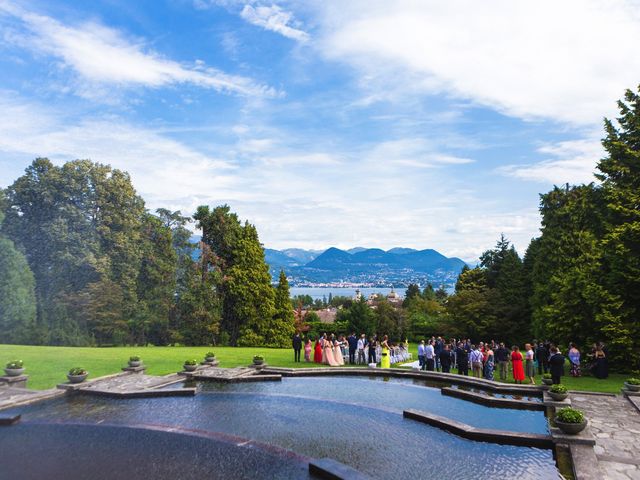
x=358, y=316
x=412, y=291
x=17, y=293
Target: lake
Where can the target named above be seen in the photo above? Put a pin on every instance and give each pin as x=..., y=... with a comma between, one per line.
x=320, y=292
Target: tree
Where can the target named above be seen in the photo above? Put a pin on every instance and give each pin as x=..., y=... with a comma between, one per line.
x=248, y=294
x=283, y=317
x=412, y=291
x=471, y=307
x=17, y=293
x=359, y=317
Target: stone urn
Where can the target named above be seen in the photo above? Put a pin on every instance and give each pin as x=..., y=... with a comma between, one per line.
x=558, y=397
x=631, y=387
x=190, y=368
x=135, y=363
x=258, y=360
x=571, y=428
x=209, y=359
x=547, y=381
x=14, y=372
x=77, y=378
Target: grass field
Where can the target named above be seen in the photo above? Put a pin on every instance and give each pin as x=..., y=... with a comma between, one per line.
x=47, y=366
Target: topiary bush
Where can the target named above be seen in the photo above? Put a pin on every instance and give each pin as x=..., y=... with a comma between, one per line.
x=134, y=358
x=558, y=388
x=15, y=364
x=569, y=415
x=77, y=371
x=633, y=381
x=191, y=362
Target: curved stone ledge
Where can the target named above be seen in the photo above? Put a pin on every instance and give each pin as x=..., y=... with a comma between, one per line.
x=480, y=383
x=242, y=379
x=492, y=401
x=479, y=434
x=148, y=393
x=9, y=419
x=331, y=470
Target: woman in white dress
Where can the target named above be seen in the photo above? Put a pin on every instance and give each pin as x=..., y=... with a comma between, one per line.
x=337, y=351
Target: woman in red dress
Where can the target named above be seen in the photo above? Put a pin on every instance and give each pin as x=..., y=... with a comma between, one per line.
x=317, y=352
x=516, y=360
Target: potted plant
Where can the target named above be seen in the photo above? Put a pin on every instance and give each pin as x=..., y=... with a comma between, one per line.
x=558, y=392
x=258, y=359
x=190, y=365
x=632, y=384
x=14, y=368
x=209, y=357
x=570, y=420
x=546, y=379
x=135, y=361
x=77, y=375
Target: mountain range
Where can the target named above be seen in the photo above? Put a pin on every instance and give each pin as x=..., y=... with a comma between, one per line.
x=365, y=266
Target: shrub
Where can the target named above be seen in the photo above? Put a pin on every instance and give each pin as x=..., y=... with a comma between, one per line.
x=547, y=376
x=134, y=358
x=258, y=358
x=633, y=381
x=77, y=371
x=191, y=362
x=569, y=415
x=559, y=388
x=210, y=354
x=15, y=364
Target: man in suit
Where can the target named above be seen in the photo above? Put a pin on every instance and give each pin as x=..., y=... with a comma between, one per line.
x=502, y=357
x=542, y=355
x=353, y=346
x=556, y=364
x=373, y=343
x=445, y=359
x=462, y=359
x=297, y=346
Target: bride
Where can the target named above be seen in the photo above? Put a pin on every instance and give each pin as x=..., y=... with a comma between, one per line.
x=328, y=352
x=337, y=351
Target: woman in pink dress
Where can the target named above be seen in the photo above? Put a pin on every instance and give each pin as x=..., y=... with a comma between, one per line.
x=328, y=353
x=337, y=351
x=518, y=369
x=307, y=350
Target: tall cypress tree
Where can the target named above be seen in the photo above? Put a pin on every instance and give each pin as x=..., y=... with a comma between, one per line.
x=283, y=319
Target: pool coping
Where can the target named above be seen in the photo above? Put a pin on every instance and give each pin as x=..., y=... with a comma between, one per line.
x=492, y=401
x=503, y=437
x=529, y=390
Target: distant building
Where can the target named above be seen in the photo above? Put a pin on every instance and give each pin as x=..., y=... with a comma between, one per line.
x=326, y=315
x=358, y=296
x=393, y=297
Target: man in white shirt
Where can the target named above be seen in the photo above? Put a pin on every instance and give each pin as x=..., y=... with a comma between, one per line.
x=362, y=343
x=421, y=355
x=475, y=357
x=429, y=357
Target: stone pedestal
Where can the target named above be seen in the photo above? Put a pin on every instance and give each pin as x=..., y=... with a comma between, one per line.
x=258, y=367
x=14, y=382
x=215, y=363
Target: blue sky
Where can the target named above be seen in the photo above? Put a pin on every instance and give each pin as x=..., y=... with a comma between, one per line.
x=326, y=123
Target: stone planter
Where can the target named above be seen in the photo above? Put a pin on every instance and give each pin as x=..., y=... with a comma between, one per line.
x=571, y=428
x=209, y=359
x=14, y=372
x=190, y=368
x=632, y=388
x=258, y=362
x=558, y=397
x=547, y=381
x=77, y=378
x=134, y=363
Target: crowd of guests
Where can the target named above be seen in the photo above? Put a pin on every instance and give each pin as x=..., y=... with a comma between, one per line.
x=481, y=360
x=334, y=351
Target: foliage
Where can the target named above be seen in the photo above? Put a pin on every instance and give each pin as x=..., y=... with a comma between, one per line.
x=359, y=317
x=558, y=388
x=569, y=415
x=633, y=381
x=77, y=371
x=547, y=376
x=135, y=358
x=15, y=364
x=191, y=362
x=209, y=355
x=258, y=358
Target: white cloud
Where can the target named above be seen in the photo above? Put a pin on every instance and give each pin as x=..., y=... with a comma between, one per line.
x=104, y=55
x=275, y=19
x=571, y=161
x=412, y=152
x=567, y=61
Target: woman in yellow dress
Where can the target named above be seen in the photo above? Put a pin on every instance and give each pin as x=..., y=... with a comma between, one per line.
x=385, y=361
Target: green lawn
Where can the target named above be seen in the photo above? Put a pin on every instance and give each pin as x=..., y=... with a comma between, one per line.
x=47, y=366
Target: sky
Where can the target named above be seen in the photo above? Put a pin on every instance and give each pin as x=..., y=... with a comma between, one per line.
x=423, y=124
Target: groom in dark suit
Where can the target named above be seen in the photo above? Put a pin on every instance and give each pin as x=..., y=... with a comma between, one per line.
x=353, y=346
x=297, y=346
